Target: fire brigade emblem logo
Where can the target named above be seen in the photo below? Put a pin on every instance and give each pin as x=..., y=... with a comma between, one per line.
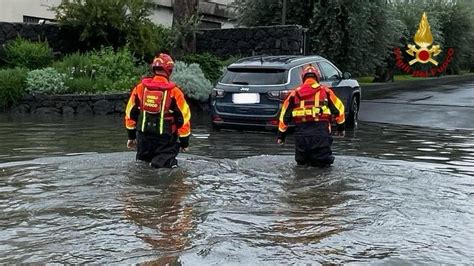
x=423, y=39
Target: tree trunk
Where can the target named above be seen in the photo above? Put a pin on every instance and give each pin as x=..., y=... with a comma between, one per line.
x=182, y=11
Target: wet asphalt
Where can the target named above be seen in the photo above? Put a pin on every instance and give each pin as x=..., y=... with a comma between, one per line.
x=443, y=106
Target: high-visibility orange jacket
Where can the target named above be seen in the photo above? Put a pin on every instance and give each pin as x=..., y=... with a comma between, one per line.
x=309, y=103
x=159, y=105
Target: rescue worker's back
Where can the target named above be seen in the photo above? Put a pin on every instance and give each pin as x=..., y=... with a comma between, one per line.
x=157, y=115
x=312, y=107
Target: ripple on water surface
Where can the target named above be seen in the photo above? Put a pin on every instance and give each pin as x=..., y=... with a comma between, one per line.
x=105, y=208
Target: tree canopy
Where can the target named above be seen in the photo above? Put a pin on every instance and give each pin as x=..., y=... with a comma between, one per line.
x=113, y=23
x=359, y=36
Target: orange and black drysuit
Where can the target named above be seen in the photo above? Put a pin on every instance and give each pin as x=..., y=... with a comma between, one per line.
x=312, y=107
x=156, y=116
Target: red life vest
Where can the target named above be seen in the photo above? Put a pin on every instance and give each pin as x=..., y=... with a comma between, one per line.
x=311, y=104
x=155, y=114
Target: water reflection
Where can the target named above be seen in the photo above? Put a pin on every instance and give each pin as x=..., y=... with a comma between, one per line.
x=310, y=197
x=158, y=207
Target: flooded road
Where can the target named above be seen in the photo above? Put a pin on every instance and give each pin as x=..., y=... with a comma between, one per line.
x=71, y=193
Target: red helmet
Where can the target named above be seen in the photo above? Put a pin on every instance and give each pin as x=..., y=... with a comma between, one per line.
x=163, y=62
x=310, y=71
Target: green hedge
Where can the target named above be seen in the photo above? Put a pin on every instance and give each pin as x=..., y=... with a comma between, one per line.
x=12, y=86
x=27, y=54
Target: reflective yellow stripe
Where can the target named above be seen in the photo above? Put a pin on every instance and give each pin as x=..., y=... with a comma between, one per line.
x=163, y=112
x=144, y=116
x=326, y=110
x=339, y=105
x=314, y=111
x=316, y=99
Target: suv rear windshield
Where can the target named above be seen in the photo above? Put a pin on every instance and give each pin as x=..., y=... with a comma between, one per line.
x=254, y=76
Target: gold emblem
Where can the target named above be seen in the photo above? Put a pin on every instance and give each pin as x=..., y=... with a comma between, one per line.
x=423, y=38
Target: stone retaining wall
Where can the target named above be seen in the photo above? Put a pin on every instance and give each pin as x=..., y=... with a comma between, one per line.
x=72, y=104
x=268, y=40
x=57, y=38
x=271, y=40
x=85, y=104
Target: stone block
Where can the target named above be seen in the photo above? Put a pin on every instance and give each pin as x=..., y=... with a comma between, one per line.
x=46, y=111
x=21, y=109
x=103, y=107
x=67, y=110
x=84, y=109
x=120, y=107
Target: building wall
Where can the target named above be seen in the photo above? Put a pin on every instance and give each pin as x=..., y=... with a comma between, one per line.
x=212, y=11
x=14, y=10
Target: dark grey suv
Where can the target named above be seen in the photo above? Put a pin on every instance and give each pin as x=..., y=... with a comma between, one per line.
x=251, y=91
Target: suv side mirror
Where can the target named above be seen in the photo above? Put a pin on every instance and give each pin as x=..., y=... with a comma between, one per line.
x=346, y=75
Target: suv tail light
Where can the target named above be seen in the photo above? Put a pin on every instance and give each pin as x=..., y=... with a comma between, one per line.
x=217, y=93
x=278, y=95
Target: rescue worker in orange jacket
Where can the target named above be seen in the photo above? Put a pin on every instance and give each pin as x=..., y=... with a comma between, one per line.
x=156, y=116
x=312, y=107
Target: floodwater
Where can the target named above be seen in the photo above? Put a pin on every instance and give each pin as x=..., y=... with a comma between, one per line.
x=71, y=193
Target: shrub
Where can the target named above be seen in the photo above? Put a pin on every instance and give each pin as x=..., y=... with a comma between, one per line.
x=113, y=64
x=45, y=81
x=192, y=81
x=106, y=69
x=210, y=64
x=114, y=23
x=26, y=54
x=12, y=86
x=80, y=85
x=103, y=84
x=149, y=38
x=76, y=65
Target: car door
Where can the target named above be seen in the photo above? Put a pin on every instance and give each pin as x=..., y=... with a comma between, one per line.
x=332, y=77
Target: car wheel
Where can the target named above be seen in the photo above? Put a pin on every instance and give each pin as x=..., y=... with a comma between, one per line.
x=351, y=121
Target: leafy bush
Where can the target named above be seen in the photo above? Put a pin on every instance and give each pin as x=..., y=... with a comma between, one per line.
x=112, y=64
x=12, y=86
x=149, y=39
x=192, y=81
x=75, y=65
x=45, y=81
x=101, y=70
x=210, y=64
x=26, y=54
x=80, y=85
x=114, y=23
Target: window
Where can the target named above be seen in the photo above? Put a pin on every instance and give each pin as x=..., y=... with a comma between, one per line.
x=329, y=72
x=36, y=20
x=254, y=76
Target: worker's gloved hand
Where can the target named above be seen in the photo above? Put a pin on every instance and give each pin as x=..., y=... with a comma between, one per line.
x=341, y=130
x=184, y=143
x=281, y=138
x=132, y=143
